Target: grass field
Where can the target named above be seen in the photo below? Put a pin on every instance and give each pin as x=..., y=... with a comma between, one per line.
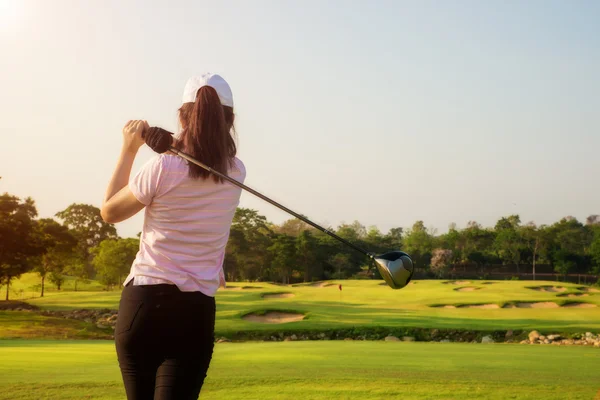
x=35, y=370
x=82, y=369
x=30, y=285
x=368, y=303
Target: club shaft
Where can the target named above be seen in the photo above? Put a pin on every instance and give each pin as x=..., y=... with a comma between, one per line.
x=265, y=198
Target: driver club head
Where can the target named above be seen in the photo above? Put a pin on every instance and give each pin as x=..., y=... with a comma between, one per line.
x=396, y=268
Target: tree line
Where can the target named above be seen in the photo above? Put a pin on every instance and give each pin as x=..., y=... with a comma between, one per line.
x=79, y=244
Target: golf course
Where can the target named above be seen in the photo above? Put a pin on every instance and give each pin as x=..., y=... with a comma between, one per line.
x=320, y=341
x=300, y=200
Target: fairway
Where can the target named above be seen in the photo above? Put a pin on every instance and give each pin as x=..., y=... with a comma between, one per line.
x=66, y=370
x=422, y=304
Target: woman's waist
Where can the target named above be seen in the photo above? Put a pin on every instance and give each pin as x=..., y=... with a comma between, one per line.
x=183, y=281
x=139, y=289
x=187, y=256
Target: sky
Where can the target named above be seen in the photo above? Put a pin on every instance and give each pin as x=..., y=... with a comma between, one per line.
x=385, y=112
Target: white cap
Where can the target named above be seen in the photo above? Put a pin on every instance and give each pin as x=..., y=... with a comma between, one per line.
x=208, y=79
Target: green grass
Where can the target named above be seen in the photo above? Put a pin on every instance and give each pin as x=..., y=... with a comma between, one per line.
x=368, y=303
x=27, y=325
x=33, y=370
x=29, y=286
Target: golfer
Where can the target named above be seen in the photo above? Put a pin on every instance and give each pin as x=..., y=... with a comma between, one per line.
x=165, y=329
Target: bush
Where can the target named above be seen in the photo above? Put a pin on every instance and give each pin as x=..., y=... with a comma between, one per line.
x=440, y=261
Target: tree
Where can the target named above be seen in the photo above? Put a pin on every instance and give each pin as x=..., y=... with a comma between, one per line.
x=595, y=244
x=283, y=257
x=470, y=246
x=18, y=239
x=510, y=222
x=418, y=242
x=77, y=267
x=508, y=242
x=563, y=262
x=326, y=248
x=306, y=246
x=478, y=244
x=393, y=239
x=113, y=259
x=374, y=240
x=89, y=228
x=440, y=261
x=570, y=242
x=58, y=244
x=246, y=253
x=293, y=227
x=352, y=232
x=355, y=233
x=57, y=278
x=341, y=263
x=455, y=240
x=535, y=241
x=593, y=220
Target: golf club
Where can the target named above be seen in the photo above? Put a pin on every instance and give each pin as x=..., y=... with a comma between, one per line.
x=396, y=267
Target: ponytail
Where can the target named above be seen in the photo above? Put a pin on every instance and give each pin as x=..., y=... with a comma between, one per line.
x=207, y=134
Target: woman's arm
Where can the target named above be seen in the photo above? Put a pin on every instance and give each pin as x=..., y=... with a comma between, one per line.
x=119, y=203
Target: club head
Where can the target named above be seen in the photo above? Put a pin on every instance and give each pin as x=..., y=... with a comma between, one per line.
x=396, y=268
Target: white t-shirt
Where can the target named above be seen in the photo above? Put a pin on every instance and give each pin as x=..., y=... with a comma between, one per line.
x=186, y=225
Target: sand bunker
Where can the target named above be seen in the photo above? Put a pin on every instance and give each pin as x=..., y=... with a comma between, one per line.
x=278, y=295
x=242, y=287
x=323, y=284
x=579, y=305
x=442, y=306
x=541, y=304
x=483, y=306
x=553, y=289
x=538, y=304
x=467, y=289
x=450, y=306
x=274, y=317
x=488, y=283
x=588, y=290
x=574, y=295
x=458, y=282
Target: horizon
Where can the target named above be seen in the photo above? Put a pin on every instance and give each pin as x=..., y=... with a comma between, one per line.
x=385, y=113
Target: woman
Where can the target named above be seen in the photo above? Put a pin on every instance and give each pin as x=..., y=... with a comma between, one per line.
x=165, y=329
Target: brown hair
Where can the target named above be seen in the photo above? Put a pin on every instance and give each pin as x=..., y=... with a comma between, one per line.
x=208, y=134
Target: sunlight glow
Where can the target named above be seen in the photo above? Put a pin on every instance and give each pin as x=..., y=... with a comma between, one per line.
x=9, y=12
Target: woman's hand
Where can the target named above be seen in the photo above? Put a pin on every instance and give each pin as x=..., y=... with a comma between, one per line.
x=132, y=135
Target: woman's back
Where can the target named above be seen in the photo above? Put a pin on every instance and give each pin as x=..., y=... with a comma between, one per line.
x=186, y=224
x=164, y=335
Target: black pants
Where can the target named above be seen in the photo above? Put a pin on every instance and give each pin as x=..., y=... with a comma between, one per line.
x=164, y=340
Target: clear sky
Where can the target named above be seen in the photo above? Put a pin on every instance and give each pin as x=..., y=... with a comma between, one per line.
x=385, y=112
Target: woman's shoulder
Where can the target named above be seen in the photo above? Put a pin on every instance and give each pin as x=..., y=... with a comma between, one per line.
x=239, y=166
x=171, y=161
